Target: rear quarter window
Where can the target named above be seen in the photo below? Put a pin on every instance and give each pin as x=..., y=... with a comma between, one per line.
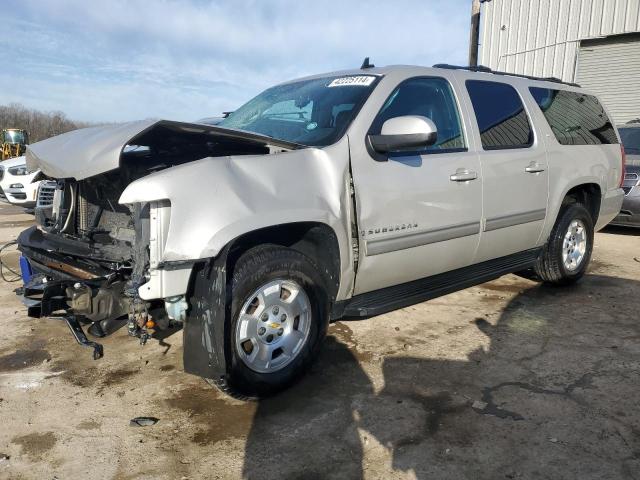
x=500, y=114
x=574, y=118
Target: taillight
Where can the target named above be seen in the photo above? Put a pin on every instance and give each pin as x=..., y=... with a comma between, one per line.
x=623, y=166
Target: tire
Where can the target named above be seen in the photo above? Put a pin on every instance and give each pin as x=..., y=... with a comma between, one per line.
x=295, y=343
x=552, y=267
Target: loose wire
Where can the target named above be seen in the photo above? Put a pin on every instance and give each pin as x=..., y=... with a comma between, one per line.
x=17, y=276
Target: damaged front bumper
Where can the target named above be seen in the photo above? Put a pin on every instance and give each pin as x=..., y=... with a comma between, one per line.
x=74, y=300
x=45, y=298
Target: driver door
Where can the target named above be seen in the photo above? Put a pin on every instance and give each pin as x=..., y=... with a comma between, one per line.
x=418, y=212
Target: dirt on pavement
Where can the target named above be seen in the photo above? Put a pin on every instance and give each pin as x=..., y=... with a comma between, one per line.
x=509, y=380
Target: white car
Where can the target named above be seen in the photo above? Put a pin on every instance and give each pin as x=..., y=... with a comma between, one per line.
x=16, y=182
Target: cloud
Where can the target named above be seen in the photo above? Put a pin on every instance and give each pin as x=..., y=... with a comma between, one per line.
x=120, y=60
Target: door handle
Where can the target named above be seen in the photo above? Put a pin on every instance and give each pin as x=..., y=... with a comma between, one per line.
x=534, y=168
x=463, y=175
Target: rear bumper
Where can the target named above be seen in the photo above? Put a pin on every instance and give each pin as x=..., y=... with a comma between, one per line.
x=610, y=207
x=630, y=212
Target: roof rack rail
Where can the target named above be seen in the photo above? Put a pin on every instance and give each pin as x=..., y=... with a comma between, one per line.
x=482, y=68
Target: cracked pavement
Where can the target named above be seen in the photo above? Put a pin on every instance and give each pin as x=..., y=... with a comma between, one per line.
x=509, y=379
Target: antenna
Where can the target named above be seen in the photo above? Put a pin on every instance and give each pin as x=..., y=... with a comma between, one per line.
x=366, y=64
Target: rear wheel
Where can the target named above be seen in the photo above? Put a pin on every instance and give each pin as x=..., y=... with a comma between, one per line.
x=566, y=255
x=279, y=316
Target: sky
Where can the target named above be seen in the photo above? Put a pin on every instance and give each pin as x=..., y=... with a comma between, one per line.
x=116, y=60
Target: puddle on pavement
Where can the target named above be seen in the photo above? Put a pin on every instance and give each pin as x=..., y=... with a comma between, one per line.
x=75, y=374
x=35, y=445
x=345, y=335
x=21, y=359
x=506, y=288
x=116, y=377
x=220, y=419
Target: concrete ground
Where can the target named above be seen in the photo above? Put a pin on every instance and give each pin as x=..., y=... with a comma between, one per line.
x=506, y=380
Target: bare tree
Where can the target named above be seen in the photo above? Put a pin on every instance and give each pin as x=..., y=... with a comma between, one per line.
x=40, y=125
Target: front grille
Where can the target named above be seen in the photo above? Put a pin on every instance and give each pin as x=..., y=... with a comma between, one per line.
x=46, y=192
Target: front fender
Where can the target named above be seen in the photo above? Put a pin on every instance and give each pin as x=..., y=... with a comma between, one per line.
x=217, y=199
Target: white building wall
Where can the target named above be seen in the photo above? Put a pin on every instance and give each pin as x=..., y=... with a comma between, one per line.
x=542, y=37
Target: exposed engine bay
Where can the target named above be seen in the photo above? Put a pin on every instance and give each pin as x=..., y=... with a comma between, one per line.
x=89, y=255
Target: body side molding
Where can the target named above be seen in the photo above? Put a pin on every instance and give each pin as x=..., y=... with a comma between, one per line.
x=417, y=239
x=514, y=219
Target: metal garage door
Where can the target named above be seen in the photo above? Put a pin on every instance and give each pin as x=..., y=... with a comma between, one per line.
x=610, y=68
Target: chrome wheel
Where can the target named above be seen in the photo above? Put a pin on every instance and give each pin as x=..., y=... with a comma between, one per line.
x=574, y=245
x=273, y=326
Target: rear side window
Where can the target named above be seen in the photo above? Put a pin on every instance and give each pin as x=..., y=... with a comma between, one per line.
x=429, y=97
x=501, y=116
x=574, y=118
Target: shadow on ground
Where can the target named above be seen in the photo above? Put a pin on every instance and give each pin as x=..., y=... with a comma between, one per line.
x=554, y=396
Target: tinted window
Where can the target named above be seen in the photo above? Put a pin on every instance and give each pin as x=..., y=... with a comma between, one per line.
x=501, y=117
x=630, y=139
x=311, y=112
x=427, y=97
x=574, y=118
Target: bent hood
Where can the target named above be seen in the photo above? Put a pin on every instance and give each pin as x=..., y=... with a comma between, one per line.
x=91, y=151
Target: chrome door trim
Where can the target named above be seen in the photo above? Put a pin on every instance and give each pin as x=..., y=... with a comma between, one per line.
x=514, y=219
x=417, y=239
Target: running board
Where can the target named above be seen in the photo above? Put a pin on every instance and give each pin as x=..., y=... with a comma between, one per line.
x=410, y=293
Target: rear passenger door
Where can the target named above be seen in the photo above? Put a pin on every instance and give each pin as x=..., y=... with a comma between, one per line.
x=514, y=170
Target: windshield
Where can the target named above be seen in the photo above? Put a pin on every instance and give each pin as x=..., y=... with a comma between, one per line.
x=14, y=136
x=631, y=140
x=311, y=112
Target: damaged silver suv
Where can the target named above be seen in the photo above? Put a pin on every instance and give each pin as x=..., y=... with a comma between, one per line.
x=344, y=194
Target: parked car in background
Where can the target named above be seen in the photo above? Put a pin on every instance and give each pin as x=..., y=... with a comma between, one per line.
x=629, y=215
x=345, y=194
x=16, y=182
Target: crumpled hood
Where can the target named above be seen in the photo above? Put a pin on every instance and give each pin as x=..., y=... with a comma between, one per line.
x=91, y=151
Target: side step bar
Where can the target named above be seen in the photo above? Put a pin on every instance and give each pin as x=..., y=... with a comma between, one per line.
x=410, y=293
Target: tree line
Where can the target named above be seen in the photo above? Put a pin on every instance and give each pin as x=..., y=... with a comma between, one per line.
x=40, y=125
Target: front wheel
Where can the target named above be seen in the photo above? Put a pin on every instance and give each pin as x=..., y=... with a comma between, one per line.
x=279, y=316
x=566, y=255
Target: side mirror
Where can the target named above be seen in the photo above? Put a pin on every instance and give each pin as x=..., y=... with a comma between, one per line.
x=406, y=133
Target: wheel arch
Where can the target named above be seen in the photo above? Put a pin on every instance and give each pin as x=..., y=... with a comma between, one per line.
x=589, y=194
x=586, y=191
x=316, y=240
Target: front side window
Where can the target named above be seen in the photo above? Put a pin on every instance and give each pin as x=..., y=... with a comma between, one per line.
x=426, y=97
x=313, y=112
x=630, y=139
x=501, y=116
x=574, y=118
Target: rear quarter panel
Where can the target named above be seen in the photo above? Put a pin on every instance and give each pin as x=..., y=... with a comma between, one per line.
x=574, y=165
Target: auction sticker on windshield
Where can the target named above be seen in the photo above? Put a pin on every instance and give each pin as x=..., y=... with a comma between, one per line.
x=359, y=80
